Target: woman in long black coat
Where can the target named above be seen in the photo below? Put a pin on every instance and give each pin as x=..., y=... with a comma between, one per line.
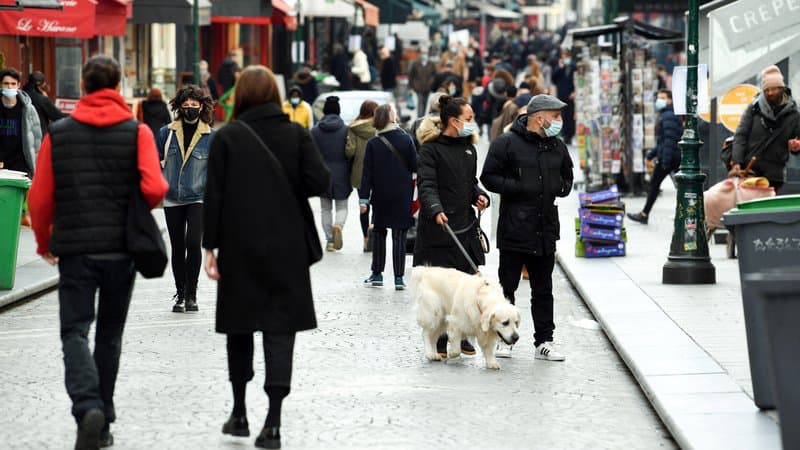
x=386, y=184
x=258, y=219
x=448, y=190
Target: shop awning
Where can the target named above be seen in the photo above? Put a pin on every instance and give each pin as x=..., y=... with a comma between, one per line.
x=495, y=11
x=178, y=12
x=75, y=20
x=394, y=11
x=326, y=8
x=256, y=12
x=371, y=13
x=111, y=17
x=621, y=24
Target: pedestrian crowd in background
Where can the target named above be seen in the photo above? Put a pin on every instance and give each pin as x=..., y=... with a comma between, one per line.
x=217, y=184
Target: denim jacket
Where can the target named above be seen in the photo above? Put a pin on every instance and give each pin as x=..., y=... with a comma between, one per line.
x=186, y=178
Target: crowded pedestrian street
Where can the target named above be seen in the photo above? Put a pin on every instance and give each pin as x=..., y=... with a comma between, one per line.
x=361, y=379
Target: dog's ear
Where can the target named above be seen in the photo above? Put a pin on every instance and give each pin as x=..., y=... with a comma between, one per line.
x=486, y=320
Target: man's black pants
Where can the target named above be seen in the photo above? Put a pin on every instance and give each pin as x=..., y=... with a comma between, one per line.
x=540, y=271
x=90, y=378
x=659, y=174
x=278, y=352
x=398, y=251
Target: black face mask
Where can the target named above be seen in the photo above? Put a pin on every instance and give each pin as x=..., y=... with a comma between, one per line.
x=191, y=114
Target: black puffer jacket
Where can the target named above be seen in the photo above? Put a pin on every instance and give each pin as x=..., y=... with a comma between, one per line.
x=758, y=123
x=446, y=176
x=529, y=172
x=667, y=136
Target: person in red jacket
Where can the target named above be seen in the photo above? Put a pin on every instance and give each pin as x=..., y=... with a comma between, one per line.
x=88, y=167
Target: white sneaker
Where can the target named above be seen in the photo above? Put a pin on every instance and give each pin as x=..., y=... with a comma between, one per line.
x=545, y=351
x=503, y=350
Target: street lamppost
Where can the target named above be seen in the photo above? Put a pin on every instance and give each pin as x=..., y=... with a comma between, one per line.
x=688, y=261
x=196, y=30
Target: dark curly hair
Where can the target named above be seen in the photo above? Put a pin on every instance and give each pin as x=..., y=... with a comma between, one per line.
x=194, y=92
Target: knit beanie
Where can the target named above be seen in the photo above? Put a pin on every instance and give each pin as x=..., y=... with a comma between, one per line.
x=771, y=77
x=332, y=106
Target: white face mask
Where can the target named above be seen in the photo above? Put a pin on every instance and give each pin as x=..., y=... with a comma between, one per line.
x=10, y=93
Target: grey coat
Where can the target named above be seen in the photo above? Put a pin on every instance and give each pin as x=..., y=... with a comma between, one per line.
x=758, y=123
x=31, y=130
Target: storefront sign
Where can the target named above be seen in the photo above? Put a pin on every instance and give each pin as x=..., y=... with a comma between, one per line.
x=733, y=104
x=75, y=20
x=743, y=19
x=66, y=105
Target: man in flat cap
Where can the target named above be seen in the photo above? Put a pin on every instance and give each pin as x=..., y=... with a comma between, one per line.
x=529, y=166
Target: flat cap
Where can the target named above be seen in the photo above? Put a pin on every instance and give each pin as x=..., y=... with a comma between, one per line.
x=544, y=102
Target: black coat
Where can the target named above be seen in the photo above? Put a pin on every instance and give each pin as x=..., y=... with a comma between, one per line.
x=226, y=75
x=668, y=133
x=340, y=69
x=257, y=224
x=330, y=136
x=386, y=182
x=529, y=172
x=45, y=108
x=155, y=114
x=389, y=74
x=758, y=123
x=446, y=176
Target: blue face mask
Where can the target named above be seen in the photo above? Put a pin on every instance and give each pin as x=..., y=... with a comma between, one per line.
x=294, y=101
x=553, y=129
x=468, y=129
x=661, y=104
x=10, y=93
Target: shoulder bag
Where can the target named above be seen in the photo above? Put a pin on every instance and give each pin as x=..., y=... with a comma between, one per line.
x=143, y=237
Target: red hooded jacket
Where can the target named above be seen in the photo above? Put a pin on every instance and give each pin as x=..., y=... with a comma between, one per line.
x=101, y=108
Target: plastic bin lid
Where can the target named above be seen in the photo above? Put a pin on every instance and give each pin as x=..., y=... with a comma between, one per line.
x=780, y=209
x=22, y=183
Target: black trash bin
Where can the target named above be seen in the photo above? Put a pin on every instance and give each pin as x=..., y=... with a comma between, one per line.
x=768, y=237
x=777, y=292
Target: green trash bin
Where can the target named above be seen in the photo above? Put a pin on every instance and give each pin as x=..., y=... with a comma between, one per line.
x=12, y=195
x=767, y=233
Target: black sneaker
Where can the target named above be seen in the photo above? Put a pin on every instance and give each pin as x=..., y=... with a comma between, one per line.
x=441, y=346
x=236, y=426
x=638, y=217
x=467, y=348
x=270, y=437
x=89, y=429
x=191, y=305
x=179, y=306
x=106, y=438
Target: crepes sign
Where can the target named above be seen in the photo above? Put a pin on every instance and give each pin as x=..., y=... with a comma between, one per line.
x=744, y=19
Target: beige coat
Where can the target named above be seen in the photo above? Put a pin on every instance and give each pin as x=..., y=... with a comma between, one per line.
x=358, y=133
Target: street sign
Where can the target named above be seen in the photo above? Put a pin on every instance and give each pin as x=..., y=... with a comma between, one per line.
x=733, y=104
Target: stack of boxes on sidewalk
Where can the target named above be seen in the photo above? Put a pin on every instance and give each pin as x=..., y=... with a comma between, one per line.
x=599, y=226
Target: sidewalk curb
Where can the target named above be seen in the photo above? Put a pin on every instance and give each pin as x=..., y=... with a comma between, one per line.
x=698, y=401
x=35, y=288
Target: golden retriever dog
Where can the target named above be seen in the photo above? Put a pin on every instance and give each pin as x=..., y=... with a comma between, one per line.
x=464, y=306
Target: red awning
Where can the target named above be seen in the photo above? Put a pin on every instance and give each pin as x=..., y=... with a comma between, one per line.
x=371, y=13
x=111, y=16
x=76, y=20
x=80, y=19
x=283, y=13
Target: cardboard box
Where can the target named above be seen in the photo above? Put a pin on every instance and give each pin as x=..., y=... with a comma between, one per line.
x=598, y=233
x=593, y=250
x=608, y=195
x=592, y=218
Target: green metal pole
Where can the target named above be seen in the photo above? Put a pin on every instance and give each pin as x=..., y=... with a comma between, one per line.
x=688, y=261
x=196, y=26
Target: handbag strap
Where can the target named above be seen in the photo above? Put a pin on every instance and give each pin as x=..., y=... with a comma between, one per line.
x=273, y=159
x=395, y=152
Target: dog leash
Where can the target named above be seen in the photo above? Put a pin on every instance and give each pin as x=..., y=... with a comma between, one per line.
x=461, y=247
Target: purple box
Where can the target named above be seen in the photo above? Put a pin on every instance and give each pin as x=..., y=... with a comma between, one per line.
x=594, y=250
x=597, y=233
x=600, y=196
x=606, y=220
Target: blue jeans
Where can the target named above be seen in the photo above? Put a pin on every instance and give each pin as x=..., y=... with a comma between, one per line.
x=90, y=378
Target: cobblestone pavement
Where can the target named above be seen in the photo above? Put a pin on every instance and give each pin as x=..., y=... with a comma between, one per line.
x=360, y=379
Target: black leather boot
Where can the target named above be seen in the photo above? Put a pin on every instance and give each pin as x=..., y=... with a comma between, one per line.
x=270, y=437
x=236, y=426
